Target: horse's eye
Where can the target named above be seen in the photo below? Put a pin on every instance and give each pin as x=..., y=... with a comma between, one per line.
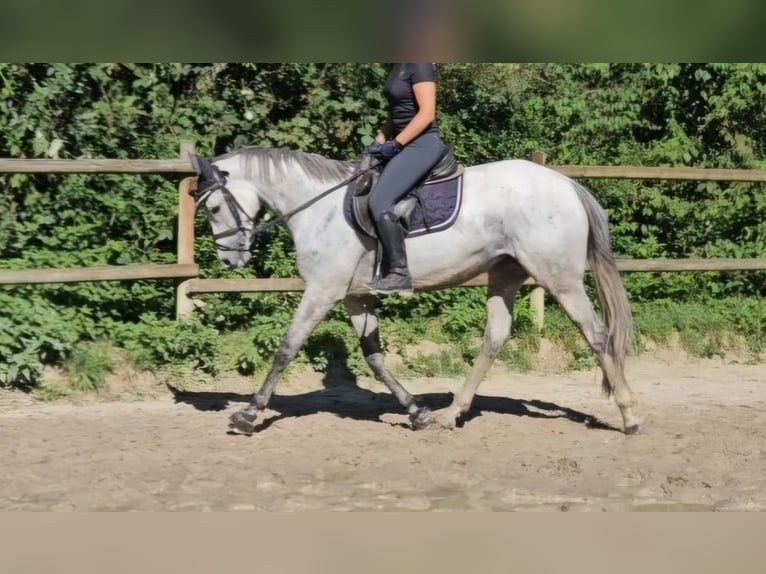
x=215, y=209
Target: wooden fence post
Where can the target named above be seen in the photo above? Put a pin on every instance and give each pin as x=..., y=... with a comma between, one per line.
x=186, y=206
x=537, y=296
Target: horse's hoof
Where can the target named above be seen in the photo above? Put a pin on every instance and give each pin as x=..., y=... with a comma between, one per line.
x=445, y=420
x=633, y=429
x=242, y=422
x=422, y=418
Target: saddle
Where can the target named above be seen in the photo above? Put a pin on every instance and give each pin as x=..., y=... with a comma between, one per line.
x=415, y=221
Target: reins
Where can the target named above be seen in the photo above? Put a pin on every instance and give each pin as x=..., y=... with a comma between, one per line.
x=236, y=208
x=277, y=220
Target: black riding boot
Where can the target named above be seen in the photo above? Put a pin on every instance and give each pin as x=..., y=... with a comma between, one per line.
x=391, y=234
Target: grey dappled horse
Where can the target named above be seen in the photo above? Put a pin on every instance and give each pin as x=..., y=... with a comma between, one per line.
x=518, y=220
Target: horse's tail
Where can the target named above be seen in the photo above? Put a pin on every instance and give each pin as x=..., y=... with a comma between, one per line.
x=618, y=320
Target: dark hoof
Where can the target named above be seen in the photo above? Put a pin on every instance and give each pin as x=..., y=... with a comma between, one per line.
x=633, y=429
x=423, y=418
x=242, y=422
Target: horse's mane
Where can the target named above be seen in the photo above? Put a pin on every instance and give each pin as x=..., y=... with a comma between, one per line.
x=274, y=165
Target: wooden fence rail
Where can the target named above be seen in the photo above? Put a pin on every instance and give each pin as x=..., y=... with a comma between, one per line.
x=667, y=173
x=101, y=166
x=252, y=285
x=103, y=273
x=187, y=270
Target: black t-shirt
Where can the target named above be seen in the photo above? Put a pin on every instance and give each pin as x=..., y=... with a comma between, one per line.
x=402, y=104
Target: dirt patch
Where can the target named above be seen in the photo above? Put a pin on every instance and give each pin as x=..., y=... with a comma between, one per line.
x=533, y=442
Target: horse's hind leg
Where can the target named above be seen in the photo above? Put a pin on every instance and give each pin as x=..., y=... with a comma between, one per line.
x=365, y=321
x=575, y=302
x=503, y=285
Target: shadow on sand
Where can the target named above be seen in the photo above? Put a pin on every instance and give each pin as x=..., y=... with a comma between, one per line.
x=343, y=397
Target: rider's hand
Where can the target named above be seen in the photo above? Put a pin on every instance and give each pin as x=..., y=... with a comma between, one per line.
x=384, y=151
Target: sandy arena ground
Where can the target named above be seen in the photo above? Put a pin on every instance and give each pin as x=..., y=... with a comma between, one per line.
x=534, y=441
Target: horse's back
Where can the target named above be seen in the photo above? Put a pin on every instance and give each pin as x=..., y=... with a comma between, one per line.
x=527, y=206
x=522, y=185
x=521, y=169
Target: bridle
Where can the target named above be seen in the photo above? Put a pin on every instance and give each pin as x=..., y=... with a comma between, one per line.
x=237, y=211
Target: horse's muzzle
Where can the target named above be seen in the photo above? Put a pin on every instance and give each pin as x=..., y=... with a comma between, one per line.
x=235, y=259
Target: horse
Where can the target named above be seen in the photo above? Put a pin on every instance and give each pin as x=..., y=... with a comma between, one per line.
x=518, y=220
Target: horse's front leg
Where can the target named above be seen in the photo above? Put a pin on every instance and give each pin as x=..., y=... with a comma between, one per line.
x=365, y=321
x=314, y=306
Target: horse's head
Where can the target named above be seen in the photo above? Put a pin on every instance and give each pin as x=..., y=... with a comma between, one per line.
x=231, y=207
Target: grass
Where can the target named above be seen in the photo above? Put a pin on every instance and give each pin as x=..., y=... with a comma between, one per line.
x=730, y=328
x=560, y=330
x=518, y=360
x=88, y=365
x=705, y=330
x=238, y=353
x=441, y=364
x=49, y=393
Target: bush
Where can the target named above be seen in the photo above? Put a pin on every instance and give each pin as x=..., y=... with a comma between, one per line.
x=33, y=333
x=156, y=342
x=697, y=114
x=335, y=341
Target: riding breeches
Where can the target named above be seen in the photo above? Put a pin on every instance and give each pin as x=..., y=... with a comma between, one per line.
x=404, y=171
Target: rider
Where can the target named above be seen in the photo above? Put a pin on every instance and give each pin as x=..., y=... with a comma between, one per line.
x=410, y=145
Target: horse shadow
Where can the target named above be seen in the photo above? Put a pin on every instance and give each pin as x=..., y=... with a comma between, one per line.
x=343, y=397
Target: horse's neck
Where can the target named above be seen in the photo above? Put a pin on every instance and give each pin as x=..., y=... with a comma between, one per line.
x=290, y=194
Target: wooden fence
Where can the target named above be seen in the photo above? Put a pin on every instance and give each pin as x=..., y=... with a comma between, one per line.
x=183, y=269
x=187, y=269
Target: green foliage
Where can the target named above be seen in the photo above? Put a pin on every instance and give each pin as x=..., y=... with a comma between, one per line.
x=88, y=365
x=34, y=332
x=705, y=329
x=441, y=364
x=707, y=115
x=236, y=352
x=518, y=354
x=398, y=332
x=49, y=393
x=560, y=329
x=748, y=317
x=335, y=341
x=465, y=316
x=267, y=333
x=583, y=357
x=517, y=359
x=154, y=342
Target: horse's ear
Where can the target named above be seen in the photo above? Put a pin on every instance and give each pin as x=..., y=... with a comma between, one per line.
x=194, y=160
x=202, y=166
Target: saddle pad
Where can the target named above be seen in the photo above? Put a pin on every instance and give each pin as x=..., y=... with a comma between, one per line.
x=442, y=204
x=442, y=201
